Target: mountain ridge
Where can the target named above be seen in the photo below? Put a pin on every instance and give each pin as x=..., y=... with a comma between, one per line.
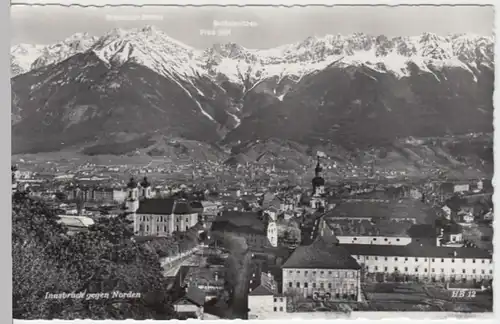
x=334, y=87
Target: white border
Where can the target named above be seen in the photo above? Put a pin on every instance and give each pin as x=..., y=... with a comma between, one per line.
x=388, y=317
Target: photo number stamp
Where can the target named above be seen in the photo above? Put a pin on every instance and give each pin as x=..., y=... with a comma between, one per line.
x=463, y=293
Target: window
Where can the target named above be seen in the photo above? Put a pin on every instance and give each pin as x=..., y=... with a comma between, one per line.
x=395, y=268
x=442, y=260
x=358, y=257
x=298, y=284
x=281, y=300
x=355, y=238
x=397, y=240
x=433, y=260
x=491, y=271
x=306, y=272
x=375, y=239
x=290, y=284
x=376, y=258
x=463, y=270
x=406, y=259
x=298, y=271
x=452, y=260
x=442, y=270
x=425, y=269
x=416, y=269
x=290, y=271
x=376, y=268
x=321, y=285
x=305, y=285
x=406, y=268
x=491, y=261
x=385, y=269
x=433, y=270
x=329, y=285
x=275, y=300
x=321, y=272
x=464, y=260
x=385, y=239
x=482, y=271
x=275, y=309
x=473, y=260
x=329, y=272
x=367, y=258
x=314, y=273
x=281, y=309
x=482, y=261
x=452, y=270
x=396, y=259
x=314, y=285
x=425, y=260
x=474, y=271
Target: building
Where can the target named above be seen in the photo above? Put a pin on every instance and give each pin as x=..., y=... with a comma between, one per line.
x=75, y=224
x=322, y=270
x=191, y=304
x=272, y=232
x=318, y=197
x=264, y=299
x=209, y=279
x=424, y=262
x=162, y=217
x=249, y=225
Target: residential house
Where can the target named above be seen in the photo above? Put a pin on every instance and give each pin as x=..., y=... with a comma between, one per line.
x=264, y=299
x=191, y=304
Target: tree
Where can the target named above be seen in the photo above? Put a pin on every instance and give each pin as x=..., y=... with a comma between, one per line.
x=104, y=259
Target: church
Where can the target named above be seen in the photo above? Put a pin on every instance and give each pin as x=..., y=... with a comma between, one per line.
x=318, y=197
x=157, y=216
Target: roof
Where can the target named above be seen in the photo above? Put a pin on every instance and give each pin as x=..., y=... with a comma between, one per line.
x=195, y=295
x=76, y=221
x=231, y=220
x=261, y=291
x=415, y=250
x=164, y=206
x=404, y=208
x=321, y=255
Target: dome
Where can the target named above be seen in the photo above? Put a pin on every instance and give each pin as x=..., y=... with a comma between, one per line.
x=132, y=183
x=13, y=168
x=318, y=181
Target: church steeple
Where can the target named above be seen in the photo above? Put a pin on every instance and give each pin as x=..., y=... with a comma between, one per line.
x=318, y=168
x=318, y=184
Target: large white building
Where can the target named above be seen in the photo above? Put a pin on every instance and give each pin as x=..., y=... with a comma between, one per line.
x=435, y=263
x=322, y=270
x=158, y=216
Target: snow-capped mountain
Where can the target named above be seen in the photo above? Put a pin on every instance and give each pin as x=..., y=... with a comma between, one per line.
x=23, y=56
x=142, y=80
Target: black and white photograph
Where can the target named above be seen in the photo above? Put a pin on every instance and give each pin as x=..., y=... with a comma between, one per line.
x=251, y=162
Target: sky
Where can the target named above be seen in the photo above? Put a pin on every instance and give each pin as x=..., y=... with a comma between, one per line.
x=266, y=27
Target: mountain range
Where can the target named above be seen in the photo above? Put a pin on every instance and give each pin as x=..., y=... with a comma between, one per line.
x=140, y=86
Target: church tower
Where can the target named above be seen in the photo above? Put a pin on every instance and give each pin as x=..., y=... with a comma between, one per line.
x=145, y=189
x=132, y=201
x=318, y=184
